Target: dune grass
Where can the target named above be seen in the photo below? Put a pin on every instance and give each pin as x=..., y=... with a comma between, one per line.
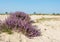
x=45, y=19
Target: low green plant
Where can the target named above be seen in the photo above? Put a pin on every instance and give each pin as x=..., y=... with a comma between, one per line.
x=5, y=29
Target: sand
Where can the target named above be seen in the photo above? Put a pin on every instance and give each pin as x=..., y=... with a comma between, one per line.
x=49, y=25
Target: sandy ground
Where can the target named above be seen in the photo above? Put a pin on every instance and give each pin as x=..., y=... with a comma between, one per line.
x=49, y=25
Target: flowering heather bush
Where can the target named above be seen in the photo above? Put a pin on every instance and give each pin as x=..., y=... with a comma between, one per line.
x=21, y=21
x=4, y=28
x=0, y=24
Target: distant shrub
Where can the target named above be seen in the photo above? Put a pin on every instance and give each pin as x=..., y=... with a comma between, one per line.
x=21, y=21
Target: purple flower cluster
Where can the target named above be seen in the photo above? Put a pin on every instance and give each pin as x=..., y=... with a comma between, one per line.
x=21, y=21
x=0, y=25
x=17, y=19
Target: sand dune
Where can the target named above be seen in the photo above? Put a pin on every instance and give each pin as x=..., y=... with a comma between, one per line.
x=49, y=26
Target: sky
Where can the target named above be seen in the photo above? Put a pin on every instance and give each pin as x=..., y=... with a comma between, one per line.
x=30, y=6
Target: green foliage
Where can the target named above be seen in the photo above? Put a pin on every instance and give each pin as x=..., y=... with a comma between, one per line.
x=5, y=29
